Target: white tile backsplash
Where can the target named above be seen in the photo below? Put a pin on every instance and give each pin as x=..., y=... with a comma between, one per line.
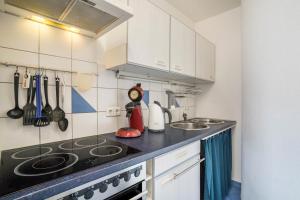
x=18, y=33
x=84, y=48
x=55, y=63
x=14, y=135
x=84, y=124
x=54, y=41
x=18, y=57
x=84, y=67
x=62, y=50
x=107, y=98
x=52, y=133
x=106, y=78
x=106, y=124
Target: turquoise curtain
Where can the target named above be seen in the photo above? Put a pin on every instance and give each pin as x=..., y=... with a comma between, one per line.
x=218, y=165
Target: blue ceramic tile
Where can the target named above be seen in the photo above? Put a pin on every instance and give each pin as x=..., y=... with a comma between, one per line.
x=79, y=104
x=146, y=97
x=176, y=104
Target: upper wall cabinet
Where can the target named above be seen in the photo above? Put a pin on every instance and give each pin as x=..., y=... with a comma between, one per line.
x=183, y=41
x=156, y=46
x=143, y=41
x=148, y=35
x=205, y=59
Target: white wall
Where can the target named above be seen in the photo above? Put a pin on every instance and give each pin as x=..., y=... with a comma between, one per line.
x=167, y=7
x=271, y=96
x=223, y=98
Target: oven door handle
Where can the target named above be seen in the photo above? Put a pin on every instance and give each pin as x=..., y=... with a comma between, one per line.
x=139, y=195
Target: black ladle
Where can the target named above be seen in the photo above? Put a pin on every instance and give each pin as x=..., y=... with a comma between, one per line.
x=63, y=124
x=16, y=112
x=47, y=110
x=58, y=113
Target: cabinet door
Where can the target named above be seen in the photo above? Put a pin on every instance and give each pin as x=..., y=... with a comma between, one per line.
x=182, y=182
x=182, y=48
x=205, y=59
x=148, y=35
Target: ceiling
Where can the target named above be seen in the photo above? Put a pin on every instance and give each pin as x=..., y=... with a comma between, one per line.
x=198, y=10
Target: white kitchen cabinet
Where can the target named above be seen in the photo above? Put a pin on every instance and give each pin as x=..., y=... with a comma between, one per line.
x=181, y=182
x=205, y=59
x=148, y=35
x=143, y=41
x=183, y=41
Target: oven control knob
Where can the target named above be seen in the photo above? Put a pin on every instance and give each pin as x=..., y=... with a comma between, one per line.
x=71, y=197
x=88, y=194
x=102, y=187
x=115, y=181
x=137, y=172
x=127, y=176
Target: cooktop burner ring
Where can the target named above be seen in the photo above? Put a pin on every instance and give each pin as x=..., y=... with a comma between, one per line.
x=18, y=171
x=119, y=150
x=34, y=165
x=15, y=155
x=77, y=146
x=89, y=145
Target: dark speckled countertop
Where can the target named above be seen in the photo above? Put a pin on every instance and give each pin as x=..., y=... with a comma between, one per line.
x=150, y=144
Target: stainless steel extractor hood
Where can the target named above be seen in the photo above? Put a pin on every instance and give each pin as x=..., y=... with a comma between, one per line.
x=89, y=17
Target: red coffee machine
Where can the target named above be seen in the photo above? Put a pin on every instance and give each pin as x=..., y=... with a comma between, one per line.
x=134, y=109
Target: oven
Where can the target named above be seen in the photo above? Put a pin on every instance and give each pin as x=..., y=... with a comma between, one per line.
x=126, y=184
x=135, y=192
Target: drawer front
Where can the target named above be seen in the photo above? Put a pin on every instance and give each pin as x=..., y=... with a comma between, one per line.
x=171, y=159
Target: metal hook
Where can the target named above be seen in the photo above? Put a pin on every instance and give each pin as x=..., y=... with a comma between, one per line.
x=17, y=68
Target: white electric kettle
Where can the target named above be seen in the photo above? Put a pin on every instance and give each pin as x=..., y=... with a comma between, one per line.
x=157, y=117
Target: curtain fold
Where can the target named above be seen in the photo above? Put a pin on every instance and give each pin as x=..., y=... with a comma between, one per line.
x=218, y=166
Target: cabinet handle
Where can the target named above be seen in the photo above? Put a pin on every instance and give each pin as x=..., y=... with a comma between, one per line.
x=168, y=180
x=178, y=67
x=161, y=63
x=181, y=154
x=187, y=169
x=139, y=195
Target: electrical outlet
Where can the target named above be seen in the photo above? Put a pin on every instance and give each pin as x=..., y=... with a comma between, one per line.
x=109, y=112
x=117, y=111
x=113, y=111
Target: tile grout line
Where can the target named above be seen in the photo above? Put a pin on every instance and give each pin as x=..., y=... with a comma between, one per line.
x=72, y=118
x=39, y=63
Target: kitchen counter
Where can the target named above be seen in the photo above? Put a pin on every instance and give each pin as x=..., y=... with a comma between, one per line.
x=150, y=145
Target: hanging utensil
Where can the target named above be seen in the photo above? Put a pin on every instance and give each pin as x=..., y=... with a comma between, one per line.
x=58, y=113
x=16, y=112
x=47, y=110
x=40, y=120
x=31, y=110
x=27, y=107
x=63, y=123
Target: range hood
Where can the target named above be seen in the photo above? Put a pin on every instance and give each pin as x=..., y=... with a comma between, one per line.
x=88, y=17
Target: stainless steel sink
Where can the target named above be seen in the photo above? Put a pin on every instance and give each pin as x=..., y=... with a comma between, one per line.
x=206, y=121
x=189, y=126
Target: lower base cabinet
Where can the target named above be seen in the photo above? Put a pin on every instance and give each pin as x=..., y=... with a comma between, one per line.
x=181, y=182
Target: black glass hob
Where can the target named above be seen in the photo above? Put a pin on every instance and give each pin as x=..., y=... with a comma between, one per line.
x=24, y=167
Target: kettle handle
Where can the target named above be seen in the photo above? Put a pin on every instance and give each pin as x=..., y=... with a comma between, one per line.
x=165, y=110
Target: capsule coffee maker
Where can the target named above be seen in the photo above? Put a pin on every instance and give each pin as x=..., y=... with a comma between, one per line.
x=134, y=109
x=134, y=114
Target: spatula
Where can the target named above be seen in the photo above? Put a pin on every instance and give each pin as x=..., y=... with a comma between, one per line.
x=27, y=107
x=58, y=113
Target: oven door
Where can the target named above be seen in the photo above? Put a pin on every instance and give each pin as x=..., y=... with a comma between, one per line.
x=135, y=192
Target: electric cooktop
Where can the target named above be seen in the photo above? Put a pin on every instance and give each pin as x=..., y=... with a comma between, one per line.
x=24, y=167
